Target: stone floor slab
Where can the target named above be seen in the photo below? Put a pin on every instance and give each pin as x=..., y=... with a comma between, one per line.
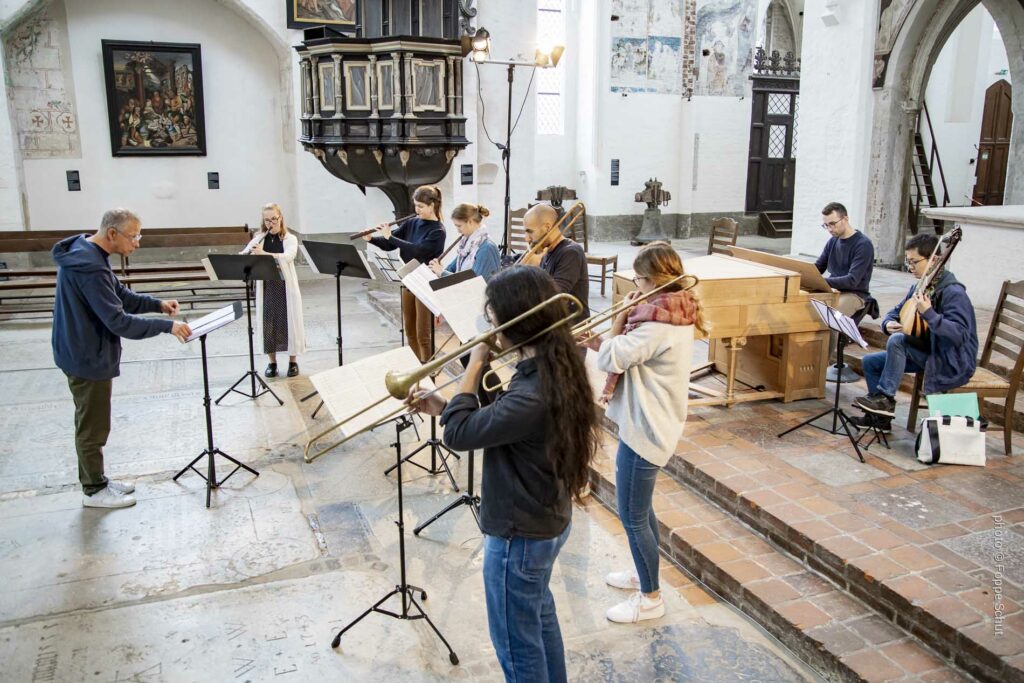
x=916, y=507
x=998, y=550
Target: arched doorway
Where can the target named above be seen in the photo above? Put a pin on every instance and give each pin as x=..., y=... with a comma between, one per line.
x=921, y=33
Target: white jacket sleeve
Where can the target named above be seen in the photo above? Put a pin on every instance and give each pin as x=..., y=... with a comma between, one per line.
x=291, y=249
x=252, y=243
x=625, y=351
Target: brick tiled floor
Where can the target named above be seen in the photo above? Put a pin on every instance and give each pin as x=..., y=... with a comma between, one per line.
x=891, y=577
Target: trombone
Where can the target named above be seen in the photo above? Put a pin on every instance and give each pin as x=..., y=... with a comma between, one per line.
x=585, y=327
x=564, y=224
x=399, y=384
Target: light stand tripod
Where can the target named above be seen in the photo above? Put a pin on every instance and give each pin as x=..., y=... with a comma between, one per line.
x=247, y=268
x=211, y=450
x=403, y=588
x=839, y=418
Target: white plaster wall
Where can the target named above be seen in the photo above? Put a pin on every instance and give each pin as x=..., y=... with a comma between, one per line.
x=965, y=68
x=723, y=124
x=835, y=117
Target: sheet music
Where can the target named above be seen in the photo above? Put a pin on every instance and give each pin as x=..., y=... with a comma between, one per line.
x=839, y=322
x=461, y=305
x=214, y=321
x=348, y=389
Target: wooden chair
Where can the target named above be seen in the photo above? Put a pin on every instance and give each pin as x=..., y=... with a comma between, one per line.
x=517, y=232
x=724, y=232
x=607, y=264
x=991, y=379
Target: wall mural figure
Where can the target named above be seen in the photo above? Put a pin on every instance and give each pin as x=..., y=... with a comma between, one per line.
x=725, y=39
x=648, y=38
x=891, y=15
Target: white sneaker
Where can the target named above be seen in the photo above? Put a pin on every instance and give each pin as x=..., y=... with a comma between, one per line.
x=628, y=580
x=637, y=608
x=121, y=486
x=108, y=498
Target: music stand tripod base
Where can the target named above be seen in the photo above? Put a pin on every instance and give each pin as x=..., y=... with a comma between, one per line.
x=406, y=590
x=211, y=451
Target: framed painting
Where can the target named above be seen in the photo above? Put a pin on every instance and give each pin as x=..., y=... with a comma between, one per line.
x=338, y=14
x=154, y=98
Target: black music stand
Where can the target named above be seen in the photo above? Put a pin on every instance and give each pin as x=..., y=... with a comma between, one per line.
x=468, y=497
x=403, y=588
x=200, y=329
x=847, y=331
x=247, y=268
x=338, y=260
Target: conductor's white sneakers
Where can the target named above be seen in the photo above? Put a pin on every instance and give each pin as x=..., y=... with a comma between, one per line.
x=108, y=498
x=121, y=486
x=637, y=608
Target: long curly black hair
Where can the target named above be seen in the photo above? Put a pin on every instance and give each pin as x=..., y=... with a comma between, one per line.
x=573, y=435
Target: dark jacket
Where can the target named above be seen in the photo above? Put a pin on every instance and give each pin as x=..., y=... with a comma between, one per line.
x=952, y=333
x=521, y=496
x=567, y=266
x=849, y=263
x=415, y=239
x=92, y=310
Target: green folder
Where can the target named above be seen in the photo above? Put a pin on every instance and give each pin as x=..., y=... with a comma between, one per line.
x=954, y=404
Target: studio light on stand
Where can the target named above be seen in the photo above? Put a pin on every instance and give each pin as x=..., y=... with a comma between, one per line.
x=478, y=48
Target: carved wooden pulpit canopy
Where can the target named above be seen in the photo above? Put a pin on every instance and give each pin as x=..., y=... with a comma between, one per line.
x=383, y=112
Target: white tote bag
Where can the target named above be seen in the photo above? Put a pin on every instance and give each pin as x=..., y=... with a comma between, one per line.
x=951, y=440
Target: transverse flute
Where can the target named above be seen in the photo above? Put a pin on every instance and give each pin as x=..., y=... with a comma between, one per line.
x=364, y=233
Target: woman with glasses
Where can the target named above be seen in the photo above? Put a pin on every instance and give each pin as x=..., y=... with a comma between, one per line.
x=648, y=356
x=538, y=438
x=279, y=302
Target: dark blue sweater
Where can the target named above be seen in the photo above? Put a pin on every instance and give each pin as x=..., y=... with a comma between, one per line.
x=952, y=335
x=415, y=239
x=92, y=310
x=849, y=263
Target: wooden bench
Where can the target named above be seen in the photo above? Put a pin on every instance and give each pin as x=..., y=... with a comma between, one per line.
x=15, y=299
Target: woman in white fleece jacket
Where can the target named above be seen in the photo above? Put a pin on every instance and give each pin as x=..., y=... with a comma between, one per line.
x=648, y=357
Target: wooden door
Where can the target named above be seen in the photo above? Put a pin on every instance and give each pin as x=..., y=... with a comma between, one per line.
x=771, y=168
x=994, y=146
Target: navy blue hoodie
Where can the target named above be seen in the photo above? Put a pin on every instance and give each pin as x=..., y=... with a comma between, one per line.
x=952, y=333
x=92, y=310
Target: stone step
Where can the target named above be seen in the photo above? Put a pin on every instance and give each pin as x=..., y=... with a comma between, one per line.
x=836, y=634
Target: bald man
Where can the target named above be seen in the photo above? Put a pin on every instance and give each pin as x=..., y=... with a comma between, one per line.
x=562, y=258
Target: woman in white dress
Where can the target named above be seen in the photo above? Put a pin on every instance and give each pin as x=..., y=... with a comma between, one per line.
x=279, y=303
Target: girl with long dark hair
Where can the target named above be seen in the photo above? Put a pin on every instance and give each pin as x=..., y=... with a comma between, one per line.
x=420, y=238
x=648, y=356
x=538, y=438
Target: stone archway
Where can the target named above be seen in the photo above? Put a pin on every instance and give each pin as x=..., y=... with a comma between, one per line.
x=897, y=106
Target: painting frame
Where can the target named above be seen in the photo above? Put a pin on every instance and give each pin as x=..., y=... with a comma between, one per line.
x=295, y=18
x=135, y=132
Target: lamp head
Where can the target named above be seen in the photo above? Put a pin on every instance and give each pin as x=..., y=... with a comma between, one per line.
x=481, y=40
x=548, y=57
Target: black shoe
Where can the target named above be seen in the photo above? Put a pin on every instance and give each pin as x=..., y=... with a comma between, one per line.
x=871, y=420
x=877, y=403
x=271, y=370
x=293, y=369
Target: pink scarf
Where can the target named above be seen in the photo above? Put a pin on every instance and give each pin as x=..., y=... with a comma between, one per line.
x=674, y=308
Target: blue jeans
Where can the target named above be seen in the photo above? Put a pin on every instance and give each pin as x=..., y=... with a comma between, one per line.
x=520, y=608
x=883, y=370
x=634, y=489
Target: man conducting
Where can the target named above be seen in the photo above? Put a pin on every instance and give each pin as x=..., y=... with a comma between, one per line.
x=92, y=310
x=562, y=258
x=849, y=258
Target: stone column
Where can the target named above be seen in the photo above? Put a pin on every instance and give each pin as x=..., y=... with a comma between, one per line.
x=339, y=100
x=373, y=86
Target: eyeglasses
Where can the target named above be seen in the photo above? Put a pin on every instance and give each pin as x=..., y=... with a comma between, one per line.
x=911, y=264
x=636, y=280
x=831, y=224
x=136, y=238
x=273, y=219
